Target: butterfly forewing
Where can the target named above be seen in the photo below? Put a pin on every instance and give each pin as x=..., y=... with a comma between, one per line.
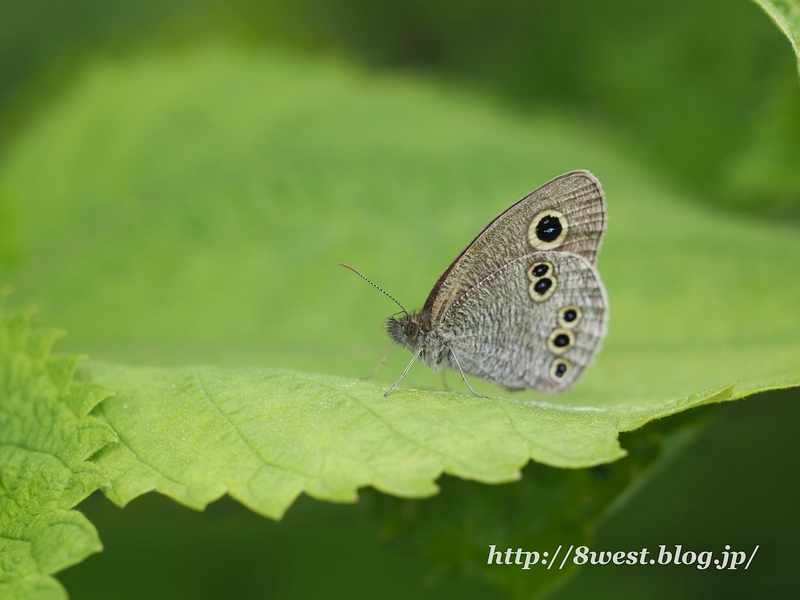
x=503, y=330
x=566, y=214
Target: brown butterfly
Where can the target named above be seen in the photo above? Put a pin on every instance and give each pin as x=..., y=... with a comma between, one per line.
x=522, y=305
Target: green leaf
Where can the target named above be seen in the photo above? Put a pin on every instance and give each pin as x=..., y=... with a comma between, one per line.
x=786, y=14
x=46, y=438
x=267, y=436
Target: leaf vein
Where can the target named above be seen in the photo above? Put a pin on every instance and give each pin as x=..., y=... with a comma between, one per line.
x=244, y=440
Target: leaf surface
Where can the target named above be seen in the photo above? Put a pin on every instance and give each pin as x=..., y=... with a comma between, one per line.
x=266, y=436
x=46, y=438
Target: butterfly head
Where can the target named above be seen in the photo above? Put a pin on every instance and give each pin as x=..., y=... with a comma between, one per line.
x=406, y=329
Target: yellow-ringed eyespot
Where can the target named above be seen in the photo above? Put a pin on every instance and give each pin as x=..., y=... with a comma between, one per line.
x=560, y=340
x=569, y=316
x=559, y=369
x=548, y=230
x=539, y=269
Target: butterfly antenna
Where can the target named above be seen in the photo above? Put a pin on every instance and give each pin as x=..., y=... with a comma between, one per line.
x=360, y=274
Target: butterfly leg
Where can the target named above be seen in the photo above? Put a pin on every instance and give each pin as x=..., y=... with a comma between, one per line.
x=380, y=364
x=399, y=379
x=463, y=377
x=444, y=381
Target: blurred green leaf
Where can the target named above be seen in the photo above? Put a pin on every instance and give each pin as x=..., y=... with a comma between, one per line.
x=766, y=174
x=46, y=438
x=786, y=14
x=156, y=549
x=688, y=100
x=704, y=499
x=548, y=508
x=192, y=208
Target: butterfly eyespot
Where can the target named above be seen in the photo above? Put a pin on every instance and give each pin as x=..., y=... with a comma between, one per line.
x=541, y=289
x=539, y=269
x=548, y=230
x=569, y=316
x=560, y=340
x=541, y=286
x=543, y=282
x=560, y=369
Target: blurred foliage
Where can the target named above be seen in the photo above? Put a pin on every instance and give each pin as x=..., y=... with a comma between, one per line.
x=736, y=485
x=693, y=87
x=155, y=549
x=786, y=14
x=548, y=508
x=191, y=208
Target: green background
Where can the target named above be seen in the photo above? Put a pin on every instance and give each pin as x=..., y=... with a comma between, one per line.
x=703, y=100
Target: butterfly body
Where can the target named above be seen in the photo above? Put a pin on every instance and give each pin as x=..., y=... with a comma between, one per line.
x=523, y=305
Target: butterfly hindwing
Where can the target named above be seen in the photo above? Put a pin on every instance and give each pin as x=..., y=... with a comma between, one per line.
x=537, y=321
x=567, y=214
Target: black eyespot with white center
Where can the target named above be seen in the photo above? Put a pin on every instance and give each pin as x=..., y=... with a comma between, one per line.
x=560, y=340
x=541, y=286
x=569, y=316
x=548, y=230
x=540, y=269
x=559, y=369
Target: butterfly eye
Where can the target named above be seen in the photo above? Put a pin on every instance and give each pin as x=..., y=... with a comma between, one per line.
x=559, y=369
x=569, y=316
x=560, y=341
x=548, y=230
x=410, y=328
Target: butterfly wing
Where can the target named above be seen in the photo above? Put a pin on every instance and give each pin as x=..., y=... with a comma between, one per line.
x=536, y=321
x=565, y=214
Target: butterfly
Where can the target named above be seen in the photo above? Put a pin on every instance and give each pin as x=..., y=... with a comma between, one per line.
x=522, y=306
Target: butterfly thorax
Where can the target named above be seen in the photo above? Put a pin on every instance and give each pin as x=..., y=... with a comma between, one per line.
x=414, y=332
